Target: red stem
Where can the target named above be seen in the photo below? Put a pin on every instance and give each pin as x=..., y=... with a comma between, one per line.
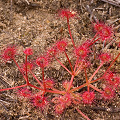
x=77, y=88
x=107, y=69
x=79, y=111
x=111, y=64
x=88, y=88
x=58, y=92
x=69, y=61
x=35, y=87
x=26, y=70
x=96, y=71
x=95, y=80
x=50, y=91
x=20, y=70
x=76, y=63
x=94, y=42
x=63, y=66
x=71, y=82
x=95, y=88
x=70, y=31
x=78, y=70
x=43, y=79
x=94, y=36
x=13, y=87
x=36, y=79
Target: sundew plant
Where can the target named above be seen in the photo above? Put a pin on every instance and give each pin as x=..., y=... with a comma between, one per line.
x=82, y=54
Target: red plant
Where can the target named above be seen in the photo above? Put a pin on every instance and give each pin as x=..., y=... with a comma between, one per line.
x=29, y=66
x=103, y=30
x=24, y=92
x=106, y=33
x=39, y=101
x=105, y=57
x=88, y=97
x=113, y=81
x=66, y=13
x=42, y=61
x=61, y=45
x=76, y=98
x=49, y=83
x=61, y=103
x=109, y=75
x=28, y=51
x=9, y=53
x=51, y=52
x=66, y=85
x=98, y=27
x=68, y=94
x=108, y=93
x=59, y=108
x=81, y=51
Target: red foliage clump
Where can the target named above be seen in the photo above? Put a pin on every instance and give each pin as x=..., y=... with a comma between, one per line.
x=9, y=53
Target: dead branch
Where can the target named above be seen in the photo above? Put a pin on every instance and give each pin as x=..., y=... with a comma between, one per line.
x=112, y=2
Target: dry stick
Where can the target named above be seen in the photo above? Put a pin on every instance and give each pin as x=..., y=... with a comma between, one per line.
x=27, y=83
x=11, y=5
x=91, y=14
x=111, y=109
x=27, y=2
x=4, y=106
x=2, y=80
x=11, y=2
x=111, y=2
x=108, y=45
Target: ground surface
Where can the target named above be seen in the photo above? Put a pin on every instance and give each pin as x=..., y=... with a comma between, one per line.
x=35, y=24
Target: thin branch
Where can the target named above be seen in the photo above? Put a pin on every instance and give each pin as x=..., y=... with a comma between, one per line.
x=111, y=2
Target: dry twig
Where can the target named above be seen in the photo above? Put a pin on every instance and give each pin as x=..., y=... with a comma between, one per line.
x=111, y=109
x=116, y=3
